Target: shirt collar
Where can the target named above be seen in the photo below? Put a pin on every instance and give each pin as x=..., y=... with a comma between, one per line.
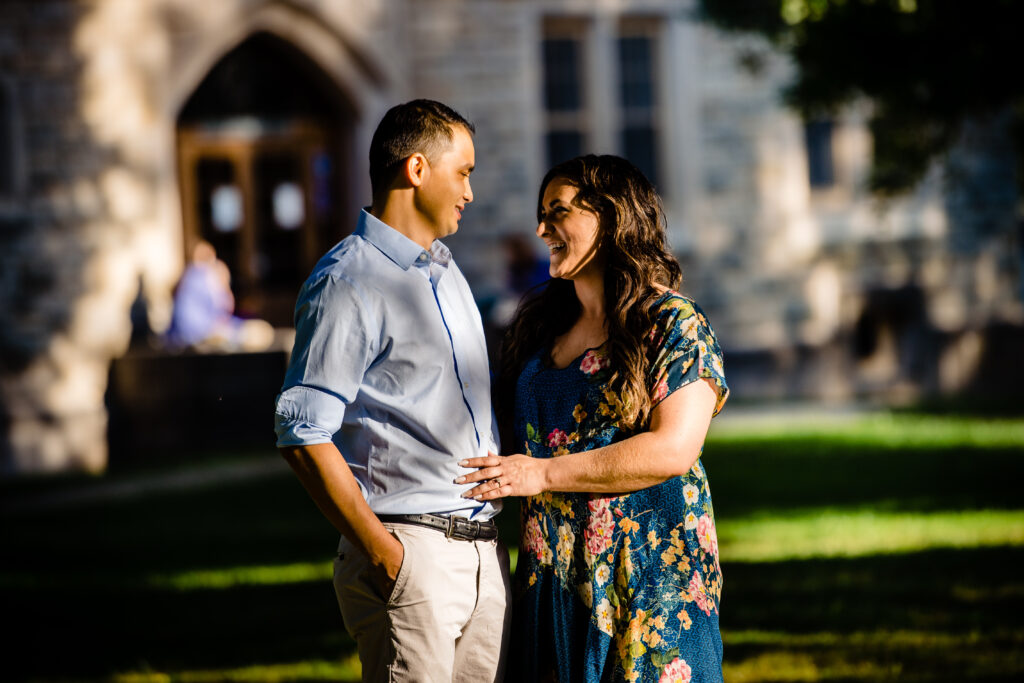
x=440, y=253
x=393, y=244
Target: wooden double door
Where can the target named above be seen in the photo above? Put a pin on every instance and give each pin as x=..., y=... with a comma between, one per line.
x=268, y=198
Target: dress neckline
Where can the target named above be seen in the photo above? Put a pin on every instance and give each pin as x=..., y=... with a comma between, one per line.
x=545, y=354
x=575, y=362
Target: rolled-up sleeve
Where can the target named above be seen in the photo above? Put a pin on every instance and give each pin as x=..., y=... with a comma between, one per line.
x=334, y=343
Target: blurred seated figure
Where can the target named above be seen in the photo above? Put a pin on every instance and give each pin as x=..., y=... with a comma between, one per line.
x=204, y=306
x=524, y=270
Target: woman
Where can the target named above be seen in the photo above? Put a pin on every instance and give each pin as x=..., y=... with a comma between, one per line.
x=615, y=378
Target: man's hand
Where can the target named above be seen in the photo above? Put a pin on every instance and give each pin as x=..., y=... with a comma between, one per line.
x=500, y=476
x=385, y=563
x=331, y=485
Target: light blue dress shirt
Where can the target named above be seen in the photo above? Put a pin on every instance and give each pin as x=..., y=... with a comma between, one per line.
x=390, y=364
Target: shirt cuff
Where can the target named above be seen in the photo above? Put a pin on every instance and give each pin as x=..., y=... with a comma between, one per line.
x=306, y=416
x=291, y=432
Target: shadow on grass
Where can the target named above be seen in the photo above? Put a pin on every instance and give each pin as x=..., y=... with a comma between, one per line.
x=771, y=474
x=101, y=631
x=939, y=615
x=954, y=591
x=79, y=584
x=83, y=580
x=932, y=616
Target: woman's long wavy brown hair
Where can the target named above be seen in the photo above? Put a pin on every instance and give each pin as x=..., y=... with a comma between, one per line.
x=632, y=235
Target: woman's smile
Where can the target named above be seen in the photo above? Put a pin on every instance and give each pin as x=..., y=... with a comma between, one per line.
x=555, y=247
x=572, y=233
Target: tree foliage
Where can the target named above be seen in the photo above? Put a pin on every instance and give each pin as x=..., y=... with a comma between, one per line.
x=927, y=65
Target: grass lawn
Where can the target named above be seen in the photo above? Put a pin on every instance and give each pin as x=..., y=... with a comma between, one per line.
x=876, y=548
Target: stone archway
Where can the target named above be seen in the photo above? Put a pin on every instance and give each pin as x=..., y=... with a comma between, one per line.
x=262, y=149
x=108, y=220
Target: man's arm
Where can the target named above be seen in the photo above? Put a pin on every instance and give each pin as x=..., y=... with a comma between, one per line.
x=332, y=486
x=333, y=348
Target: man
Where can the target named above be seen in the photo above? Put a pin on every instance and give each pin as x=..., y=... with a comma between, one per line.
x=387, y=391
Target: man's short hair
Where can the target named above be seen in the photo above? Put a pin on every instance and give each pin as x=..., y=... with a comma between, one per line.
x=423, y=126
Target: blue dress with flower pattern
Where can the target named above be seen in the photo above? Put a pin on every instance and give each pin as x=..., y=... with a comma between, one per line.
x=617, y=587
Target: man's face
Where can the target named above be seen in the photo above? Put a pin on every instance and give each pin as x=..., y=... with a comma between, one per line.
x=446, y=190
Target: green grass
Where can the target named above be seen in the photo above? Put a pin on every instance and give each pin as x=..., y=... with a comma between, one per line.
x=856, y=549
x=315, y=670
x=882, y=429
x=233, y=577
x=859, y=533
x=875, y=548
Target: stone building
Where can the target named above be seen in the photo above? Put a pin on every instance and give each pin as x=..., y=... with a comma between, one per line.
x=129, y=129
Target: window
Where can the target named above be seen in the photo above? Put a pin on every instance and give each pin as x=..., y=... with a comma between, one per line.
x=10, y=170
x=637, y=96
x=562, y=54
x=562, y=91
x=820, y=166
x=600, y=89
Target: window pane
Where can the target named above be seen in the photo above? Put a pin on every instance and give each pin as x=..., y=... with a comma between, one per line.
x=322, y=189
x=638, y=147
x=563, y=145
x=289, y=206
x=6, y=142
x=562, y=74
x=226, y=208
x=818, y=136
x=637, y=100
x=220, y=209
x=636, y=70
x=280, y=217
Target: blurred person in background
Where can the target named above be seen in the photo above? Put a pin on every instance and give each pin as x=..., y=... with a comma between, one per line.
x=524, y=270
x=203, y=316
x=609, y=380
x=387, y=391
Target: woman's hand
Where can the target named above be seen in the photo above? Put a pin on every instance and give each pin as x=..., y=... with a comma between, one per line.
x=501, y=476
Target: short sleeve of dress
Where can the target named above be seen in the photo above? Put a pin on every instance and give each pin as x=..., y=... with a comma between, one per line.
x=683, y=349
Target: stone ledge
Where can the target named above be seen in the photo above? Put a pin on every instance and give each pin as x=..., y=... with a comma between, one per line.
x=161, y=404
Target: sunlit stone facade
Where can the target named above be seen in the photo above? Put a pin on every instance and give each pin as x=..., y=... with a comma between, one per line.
x=815, y=289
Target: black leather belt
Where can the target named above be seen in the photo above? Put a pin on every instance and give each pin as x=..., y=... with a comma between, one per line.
x=452, y=526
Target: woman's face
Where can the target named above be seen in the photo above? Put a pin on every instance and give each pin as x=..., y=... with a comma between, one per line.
x=571, y=232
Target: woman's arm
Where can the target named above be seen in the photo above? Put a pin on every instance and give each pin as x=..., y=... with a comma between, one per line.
x=678, y=427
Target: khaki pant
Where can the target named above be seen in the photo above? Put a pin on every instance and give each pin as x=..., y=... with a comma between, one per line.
x=446, y=619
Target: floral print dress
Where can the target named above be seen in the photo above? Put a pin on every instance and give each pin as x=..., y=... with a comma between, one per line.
x=617, y=587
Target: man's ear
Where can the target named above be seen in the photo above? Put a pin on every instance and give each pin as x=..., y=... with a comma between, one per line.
x=416, y=169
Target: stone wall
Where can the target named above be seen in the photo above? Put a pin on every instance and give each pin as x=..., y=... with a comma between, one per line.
x=96, y=87
x=64, y=284
x=807, y=288
x=782, y=269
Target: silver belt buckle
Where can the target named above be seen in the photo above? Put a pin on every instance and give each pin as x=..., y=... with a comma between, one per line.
x=451, y=526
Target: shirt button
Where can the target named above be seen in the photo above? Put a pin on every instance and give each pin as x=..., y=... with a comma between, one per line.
x=465, y=385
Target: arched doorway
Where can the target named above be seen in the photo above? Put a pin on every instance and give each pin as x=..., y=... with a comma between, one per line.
x=263, y=145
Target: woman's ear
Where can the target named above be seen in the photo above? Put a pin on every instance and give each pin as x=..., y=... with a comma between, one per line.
x=415, y=169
